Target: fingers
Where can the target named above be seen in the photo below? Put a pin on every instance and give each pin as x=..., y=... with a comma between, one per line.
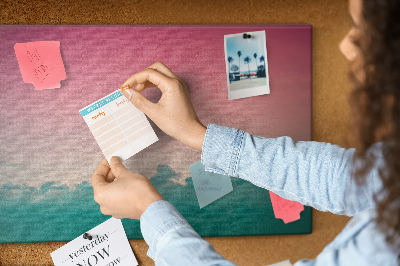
x=159, y=80
x=100, y=174
x=110, y=177
x=104, y=210
x=117, y=167
x=160, y=67
x=140, y=102
x=156, y=75
x=142, y=86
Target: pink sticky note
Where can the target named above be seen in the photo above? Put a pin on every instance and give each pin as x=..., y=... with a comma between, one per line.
x=41, y=64
x=288, y=211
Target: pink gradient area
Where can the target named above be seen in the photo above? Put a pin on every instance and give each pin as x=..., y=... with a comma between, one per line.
x=287, y=210
x=41, y=64
x=43, y=137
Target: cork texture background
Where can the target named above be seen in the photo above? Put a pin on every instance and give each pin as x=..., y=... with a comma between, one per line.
x=330, y=22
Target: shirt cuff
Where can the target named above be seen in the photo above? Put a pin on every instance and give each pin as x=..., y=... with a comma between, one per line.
x=222, y=148
x=158, y=219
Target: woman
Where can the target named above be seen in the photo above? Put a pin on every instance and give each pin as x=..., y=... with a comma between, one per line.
x=320, y=175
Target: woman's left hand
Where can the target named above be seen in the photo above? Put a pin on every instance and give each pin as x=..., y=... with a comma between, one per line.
x=128, y=197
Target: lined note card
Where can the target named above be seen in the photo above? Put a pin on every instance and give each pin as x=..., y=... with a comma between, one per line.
x=118, y=126
x=41, y=64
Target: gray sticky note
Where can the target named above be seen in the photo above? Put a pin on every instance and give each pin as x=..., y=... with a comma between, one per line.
x=209, y=186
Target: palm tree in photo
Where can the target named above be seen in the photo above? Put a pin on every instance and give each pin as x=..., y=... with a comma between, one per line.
x=255, y=57
x=239, y=54
x=230, y=60
x=247, y=60
x=262, y=59
x=234, y=68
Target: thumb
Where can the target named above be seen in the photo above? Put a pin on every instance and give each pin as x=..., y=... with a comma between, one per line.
x=117, y=167
x=99, y=176
x=138, y=100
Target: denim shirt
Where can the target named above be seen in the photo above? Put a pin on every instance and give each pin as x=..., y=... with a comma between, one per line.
x=312, y=173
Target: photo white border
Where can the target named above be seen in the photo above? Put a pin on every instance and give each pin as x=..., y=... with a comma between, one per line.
x=247, y=92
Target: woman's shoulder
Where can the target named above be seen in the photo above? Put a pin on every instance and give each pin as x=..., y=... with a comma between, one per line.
x=361, y=240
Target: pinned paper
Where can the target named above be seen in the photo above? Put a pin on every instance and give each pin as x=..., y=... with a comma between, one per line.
x=209, y=186
x=118, y=126
x=108, y=246
x=41, y=64
x=287, y=210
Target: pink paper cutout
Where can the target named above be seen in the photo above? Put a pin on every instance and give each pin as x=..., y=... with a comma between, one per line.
x=41, y=64
x=287, y=210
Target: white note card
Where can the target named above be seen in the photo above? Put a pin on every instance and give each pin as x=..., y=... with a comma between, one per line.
x=282, y=263
x=108, y=247
x=118, y=126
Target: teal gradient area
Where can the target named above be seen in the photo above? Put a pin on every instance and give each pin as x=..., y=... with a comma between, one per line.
x=246, y=204
x=53, y=212
x=56, y=212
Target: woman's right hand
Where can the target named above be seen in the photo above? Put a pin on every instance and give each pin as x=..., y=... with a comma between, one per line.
x=174, y=112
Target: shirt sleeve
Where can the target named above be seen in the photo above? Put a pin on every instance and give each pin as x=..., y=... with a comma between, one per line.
x=313, y=173
x=172, y=241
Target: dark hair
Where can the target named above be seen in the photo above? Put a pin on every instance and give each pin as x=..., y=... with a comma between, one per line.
x=375, y=103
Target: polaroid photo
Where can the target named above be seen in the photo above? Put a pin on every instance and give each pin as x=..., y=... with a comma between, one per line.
x=246, y=64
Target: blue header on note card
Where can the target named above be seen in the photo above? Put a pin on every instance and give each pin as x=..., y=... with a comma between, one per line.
x=100, y=103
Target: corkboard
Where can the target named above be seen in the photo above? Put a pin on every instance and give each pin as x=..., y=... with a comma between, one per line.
x=330, y=23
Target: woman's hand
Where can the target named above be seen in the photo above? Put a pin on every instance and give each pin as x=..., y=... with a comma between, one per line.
x=173, y=113
x=127, y=197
